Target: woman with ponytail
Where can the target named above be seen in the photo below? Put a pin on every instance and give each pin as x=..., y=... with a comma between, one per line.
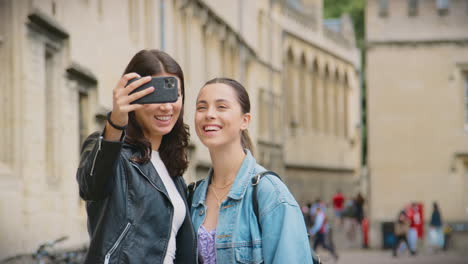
x=237, y=219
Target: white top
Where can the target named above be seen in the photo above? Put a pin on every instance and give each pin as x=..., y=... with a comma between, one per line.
x=177, y=202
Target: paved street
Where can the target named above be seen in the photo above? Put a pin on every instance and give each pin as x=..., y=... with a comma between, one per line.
x=384, y=257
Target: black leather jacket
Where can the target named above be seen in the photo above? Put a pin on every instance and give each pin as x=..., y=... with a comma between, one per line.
x=129, y=211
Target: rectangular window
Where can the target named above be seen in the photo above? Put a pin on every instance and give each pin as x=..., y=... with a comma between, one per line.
x=443, y=7
x=413, y=7
x=83, y=116
x=49, y=114
x=5, y=135
x=277, y=117
x=466, y=100
x=383, y=8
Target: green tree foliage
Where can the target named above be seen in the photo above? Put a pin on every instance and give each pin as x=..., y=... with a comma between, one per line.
x=355, y=8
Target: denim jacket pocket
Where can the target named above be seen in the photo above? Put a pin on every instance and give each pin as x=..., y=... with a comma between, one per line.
x=249, y=255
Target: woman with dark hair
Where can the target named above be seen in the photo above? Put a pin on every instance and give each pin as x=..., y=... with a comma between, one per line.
x=130, y=174
x=239, y=216
x=436, y=234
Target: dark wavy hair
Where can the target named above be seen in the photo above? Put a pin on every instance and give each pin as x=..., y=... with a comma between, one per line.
x=173, y=148
x=244, y=101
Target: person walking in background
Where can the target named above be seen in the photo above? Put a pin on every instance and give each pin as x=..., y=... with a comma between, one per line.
x=318, y=203
x=415, y=219
x=338, y=206
x=319, y=232
x=349, y=219
x=401, y=229
x=436, y=234
x=306, y=214
x=359, y=203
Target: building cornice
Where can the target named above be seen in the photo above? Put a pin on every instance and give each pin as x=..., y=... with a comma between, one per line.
x=332, y=54
x=212, y=21
x=462, y=155
x=81, y=73
x=45, y=23
x=315, y=167
x=269, y=143
x=463, y=65
x=370, y=44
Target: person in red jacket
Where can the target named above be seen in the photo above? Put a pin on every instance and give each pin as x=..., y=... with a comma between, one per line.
x=338, y=206
x=415, y=220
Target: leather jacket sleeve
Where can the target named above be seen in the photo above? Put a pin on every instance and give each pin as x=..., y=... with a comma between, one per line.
x=98, y=162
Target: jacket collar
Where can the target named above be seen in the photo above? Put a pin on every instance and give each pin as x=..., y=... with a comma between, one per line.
x=238, y=188
x=147, y=170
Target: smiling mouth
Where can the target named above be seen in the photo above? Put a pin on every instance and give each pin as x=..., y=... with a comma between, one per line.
x=163, y=118
x=211, y=128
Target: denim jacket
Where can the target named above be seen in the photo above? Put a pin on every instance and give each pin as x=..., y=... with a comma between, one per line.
x=283, y=238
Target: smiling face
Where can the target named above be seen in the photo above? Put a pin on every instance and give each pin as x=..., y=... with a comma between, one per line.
x=218, y=118
x=157, y=120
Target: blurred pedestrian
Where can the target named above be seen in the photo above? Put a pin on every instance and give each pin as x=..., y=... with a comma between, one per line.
x=319, y=232
x=305, y=208
x=359, y=203
x=349, y=218
x=338, y=206
x=447, y=236
x=415, y=220
x=401, y=229
x=436, y=234
x=318, y=203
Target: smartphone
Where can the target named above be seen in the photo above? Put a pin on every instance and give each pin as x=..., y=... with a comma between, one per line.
x=165, y=90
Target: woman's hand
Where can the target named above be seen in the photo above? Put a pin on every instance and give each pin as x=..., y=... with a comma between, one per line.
x=121, y=103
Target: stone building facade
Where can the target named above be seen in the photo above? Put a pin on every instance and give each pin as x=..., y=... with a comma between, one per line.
x=417, y=83
x=61, y=59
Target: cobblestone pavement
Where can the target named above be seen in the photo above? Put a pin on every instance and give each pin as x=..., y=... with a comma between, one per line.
x=385, y=257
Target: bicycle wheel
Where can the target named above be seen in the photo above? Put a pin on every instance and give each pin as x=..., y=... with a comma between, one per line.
x=324, y=256
x=18, y=259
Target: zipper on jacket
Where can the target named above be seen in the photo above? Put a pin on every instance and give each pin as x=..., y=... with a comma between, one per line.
x=95, y=156
x=116, y=244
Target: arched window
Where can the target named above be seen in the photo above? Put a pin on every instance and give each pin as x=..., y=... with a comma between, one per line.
x=314, y=89
x=337, y=113
x=345, y=105
x=290, y=87
x=326, y=101
x=303, y=92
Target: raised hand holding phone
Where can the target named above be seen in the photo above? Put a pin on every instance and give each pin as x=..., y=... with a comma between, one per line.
x=165, y=90
x=122, y=103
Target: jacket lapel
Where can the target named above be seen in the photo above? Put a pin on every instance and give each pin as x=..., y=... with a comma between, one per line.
x=149, y=172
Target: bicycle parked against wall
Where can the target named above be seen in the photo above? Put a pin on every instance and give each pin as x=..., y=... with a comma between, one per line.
x=45, y=254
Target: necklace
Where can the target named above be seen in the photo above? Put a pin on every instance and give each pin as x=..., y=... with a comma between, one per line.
x=223, y=187
x=218, y=200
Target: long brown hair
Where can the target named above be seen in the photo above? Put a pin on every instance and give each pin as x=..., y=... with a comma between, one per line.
x=173, y=148
x=244, y=101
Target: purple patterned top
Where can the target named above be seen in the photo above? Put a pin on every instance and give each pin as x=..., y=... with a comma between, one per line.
x=206, y=246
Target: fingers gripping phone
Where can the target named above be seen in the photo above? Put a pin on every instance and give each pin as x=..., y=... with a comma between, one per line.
x=165, y=90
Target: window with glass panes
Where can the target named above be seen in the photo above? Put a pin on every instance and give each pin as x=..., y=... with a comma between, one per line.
x=383, y=8
x=443, y=6
x=466, y=98
x=413, y=7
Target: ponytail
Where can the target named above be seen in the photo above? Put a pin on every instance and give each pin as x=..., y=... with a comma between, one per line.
x=246, y=142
